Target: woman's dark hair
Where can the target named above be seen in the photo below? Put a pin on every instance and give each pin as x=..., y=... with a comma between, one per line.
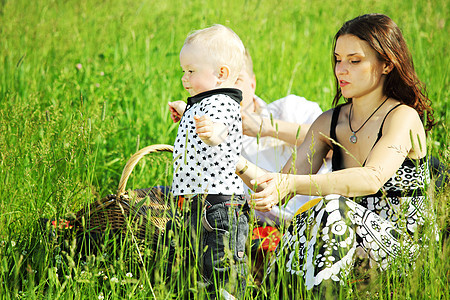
x=402, y=83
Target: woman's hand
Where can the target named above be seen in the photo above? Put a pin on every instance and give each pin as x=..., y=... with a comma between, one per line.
x=177, y=109
x=276, y=188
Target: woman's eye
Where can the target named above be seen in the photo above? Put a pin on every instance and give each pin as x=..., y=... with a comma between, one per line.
x=338, y=60
x=355, y=61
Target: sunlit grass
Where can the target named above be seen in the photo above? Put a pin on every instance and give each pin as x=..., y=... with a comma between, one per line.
x=84, y=84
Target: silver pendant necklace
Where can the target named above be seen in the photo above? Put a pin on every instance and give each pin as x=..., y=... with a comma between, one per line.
x=353, y=139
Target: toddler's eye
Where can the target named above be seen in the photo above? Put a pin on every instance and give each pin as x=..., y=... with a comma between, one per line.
x=338, y=60
x=355, y=61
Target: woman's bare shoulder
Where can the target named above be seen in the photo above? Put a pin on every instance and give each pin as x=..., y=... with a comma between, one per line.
x=404, y=114
x=404, y=124
x=325, y=117
x=323, y=122
x=320, y=129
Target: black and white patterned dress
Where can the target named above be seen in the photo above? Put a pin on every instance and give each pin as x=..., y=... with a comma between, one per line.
x=323, y=242
x=198, y=167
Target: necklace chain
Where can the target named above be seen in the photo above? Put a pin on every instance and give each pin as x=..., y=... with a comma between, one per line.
x=353, y=138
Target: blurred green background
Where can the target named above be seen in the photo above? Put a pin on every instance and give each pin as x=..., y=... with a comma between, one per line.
x=85, y=84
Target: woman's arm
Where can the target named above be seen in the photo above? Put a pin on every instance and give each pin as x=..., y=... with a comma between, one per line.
x=306, y=160
x=308, y=157
x=403, y=134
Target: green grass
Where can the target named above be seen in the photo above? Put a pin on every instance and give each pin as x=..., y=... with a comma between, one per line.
x=67, y=131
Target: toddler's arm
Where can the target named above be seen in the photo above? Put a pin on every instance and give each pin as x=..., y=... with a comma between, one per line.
x=209, y=132
x=176, y=109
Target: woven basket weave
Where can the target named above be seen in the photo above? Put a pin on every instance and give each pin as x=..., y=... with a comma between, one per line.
x=127, y=212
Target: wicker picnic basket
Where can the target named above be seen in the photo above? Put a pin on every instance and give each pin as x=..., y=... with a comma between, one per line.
x=127, y=212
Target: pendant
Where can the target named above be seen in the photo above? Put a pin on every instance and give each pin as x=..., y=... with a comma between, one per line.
x=353, y=139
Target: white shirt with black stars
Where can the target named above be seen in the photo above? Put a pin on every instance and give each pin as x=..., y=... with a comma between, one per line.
x=198, y=167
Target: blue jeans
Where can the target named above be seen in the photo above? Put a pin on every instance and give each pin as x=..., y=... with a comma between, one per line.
x=216, y=227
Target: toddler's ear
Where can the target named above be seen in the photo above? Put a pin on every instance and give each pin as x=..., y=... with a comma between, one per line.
x=224, y=73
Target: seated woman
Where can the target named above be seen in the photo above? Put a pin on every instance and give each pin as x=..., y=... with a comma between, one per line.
x=374, y=202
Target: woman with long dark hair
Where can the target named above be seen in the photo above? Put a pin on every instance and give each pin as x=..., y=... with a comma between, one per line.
x=373, y=205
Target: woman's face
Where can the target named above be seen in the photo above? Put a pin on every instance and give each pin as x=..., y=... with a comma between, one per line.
x=358, y=69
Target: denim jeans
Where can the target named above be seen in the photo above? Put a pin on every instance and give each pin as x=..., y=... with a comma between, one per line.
x=217, y=229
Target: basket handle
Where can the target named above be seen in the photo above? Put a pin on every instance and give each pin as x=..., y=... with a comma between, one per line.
x=134, y=160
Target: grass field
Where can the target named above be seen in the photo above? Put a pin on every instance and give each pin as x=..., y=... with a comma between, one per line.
x=85, y=84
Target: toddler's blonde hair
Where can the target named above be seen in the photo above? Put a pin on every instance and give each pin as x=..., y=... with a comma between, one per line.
x=223, y=46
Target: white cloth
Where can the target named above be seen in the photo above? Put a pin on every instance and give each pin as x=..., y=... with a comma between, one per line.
x=202, y=169
x=272, y=154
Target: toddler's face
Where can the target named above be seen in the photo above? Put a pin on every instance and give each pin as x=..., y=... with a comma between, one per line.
x=199, y=74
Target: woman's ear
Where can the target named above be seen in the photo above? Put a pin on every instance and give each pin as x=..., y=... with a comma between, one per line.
x=388, y=66
x=224, y=73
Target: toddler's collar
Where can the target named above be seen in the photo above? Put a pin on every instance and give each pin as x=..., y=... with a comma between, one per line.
x=233, y=93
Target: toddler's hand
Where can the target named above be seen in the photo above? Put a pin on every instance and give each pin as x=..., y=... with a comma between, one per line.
x=176, y=109
x=209, y=132
x=204, y=127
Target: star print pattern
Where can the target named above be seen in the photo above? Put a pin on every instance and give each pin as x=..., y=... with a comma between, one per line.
x=203, y=169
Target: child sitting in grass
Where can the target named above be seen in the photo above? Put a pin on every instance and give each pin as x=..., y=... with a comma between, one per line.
x=206, y=150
